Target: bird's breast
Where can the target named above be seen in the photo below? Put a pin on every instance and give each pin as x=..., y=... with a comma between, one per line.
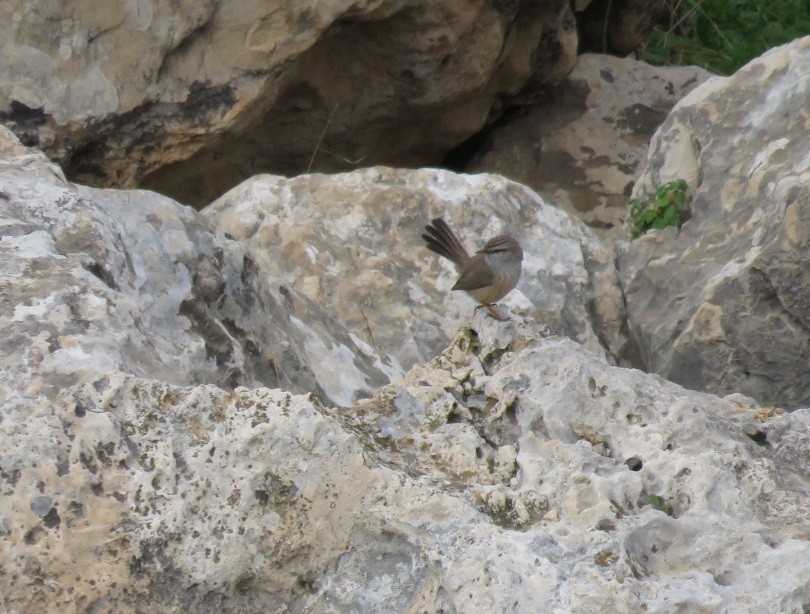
x=507, y=275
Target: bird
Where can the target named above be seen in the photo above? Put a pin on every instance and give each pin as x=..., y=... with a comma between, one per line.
x=487, y=276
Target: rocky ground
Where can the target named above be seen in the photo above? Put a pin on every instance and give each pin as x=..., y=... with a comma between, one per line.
x=275, y=404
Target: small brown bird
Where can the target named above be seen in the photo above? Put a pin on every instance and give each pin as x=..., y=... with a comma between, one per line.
x=487, y=276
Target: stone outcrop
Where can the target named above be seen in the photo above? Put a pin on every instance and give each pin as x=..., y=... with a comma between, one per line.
x=216, y=411
x=102, y=280
x=582, y=147
x=351, y=244
x=192, y=98
x=724, y=304
x=514, y=472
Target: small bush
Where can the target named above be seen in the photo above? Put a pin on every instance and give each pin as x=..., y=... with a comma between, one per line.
x=659, y=211
x=723, y=35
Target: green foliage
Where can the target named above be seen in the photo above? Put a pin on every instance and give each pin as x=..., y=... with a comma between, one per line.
x=659, y=211
x=661, y=505
x=723, y=35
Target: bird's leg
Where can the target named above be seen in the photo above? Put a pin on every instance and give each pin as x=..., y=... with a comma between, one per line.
x=495, y=313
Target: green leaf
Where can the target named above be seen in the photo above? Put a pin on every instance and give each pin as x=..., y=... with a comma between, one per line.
x=659, y=211
x=661, y=505
x=723, y=35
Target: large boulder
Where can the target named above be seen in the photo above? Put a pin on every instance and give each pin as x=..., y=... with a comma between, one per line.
x=512, y=473
x=582, y=146
x=190, y=98
x=351, y=243
x=145, y=467
x=102, y=280
x=724, y=304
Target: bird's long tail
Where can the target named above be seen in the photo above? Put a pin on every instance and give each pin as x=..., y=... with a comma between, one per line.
x=441, y=239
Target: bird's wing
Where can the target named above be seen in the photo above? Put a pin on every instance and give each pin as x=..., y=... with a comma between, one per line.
x=475, y=274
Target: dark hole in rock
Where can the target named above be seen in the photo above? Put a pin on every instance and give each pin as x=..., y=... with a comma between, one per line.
x=760, y=438
x=606, y=524
x=454, y=418
x=634, y=463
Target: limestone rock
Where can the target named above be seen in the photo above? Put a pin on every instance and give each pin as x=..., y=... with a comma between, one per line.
x=351, y=244
x=190, y=98
x=144, y=465
x=512, y=473
x=724, y=304
x=582, y=147
x=101, y=280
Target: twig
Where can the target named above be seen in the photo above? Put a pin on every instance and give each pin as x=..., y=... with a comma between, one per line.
x=684, y=16
x=605, y=28
x=717, y=29
x=344, y=158
x=320, y=139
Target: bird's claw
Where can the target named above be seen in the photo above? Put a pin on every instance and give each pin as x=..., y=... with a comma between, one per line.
x=496, y=314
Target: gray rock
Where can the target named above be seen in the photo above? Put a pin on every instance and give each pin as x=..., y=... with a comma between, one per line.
x=582, y=147
x=191, y=98
x=351, y=244
x=724, y=304
x=106, y=280
x=491, y=479
x=144, y=467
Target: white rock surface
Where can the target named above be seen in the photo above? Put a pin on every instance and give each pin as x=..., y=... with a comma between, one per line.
x=145, y=467
x=724, y=304
x=351, y=244
x=503, y=487
x=100, y=280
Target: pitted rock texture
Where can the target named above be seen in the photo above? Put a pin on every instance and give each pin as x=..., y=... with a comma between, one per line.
x=494, y=478
x=98, y=280
x=724, y=304
x=191, y=98
x=351, y=244
x=582, y=147
x=144, y=465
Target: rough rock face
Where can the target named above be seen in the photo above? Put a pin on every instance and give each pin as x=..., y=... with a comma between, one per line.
x=582, y=147
x=229, y=89
x=724, y=304
x=101, y=280
x=145, y=467
x=515, y=472
x=351, y=244
x=512, y=473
